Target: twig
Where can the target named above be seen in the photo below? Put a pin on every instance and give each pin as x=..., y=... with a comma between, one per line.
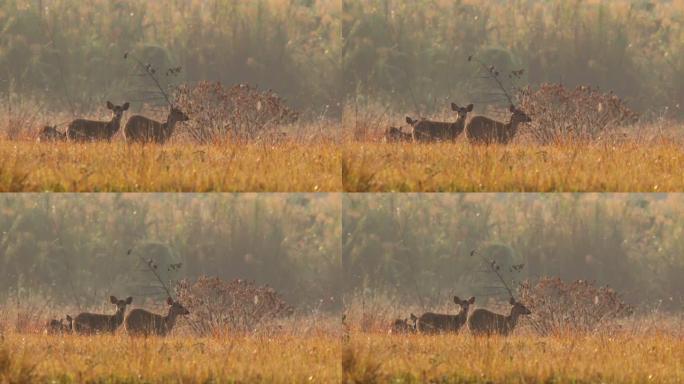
x=153, y=269
x=491, y=264
x=493, y=74
x=149, y=71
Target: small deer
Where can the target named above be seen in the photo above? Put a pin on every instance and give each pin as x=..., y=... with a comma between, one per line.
x=397, y=135
x=140, y=322
x=430, y=322
x=50, y=133
x=402, y=326
x=483, y=130
x=90, y=130
x=143, y=130
x=59, y=327
x=88, y=323
x=484, y=322
x=428, y=130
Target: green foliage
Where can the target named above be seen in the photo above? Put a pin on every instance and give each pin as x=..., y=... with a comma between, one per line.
x=419, y=247
x=72, y=248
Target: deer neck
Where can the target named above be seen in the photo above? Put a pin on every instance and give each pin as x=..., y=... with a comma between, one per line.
x=169, y=126
x=512, y=319
x=512, y=127
x=170, y=320
x=458, y=126
x=114, y=124
x=463, y=315
x=118, y=317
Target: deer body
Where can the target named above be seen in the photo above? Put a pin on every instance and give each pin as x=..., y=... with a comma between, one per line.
x=428, y=130
x=140, y=322
x=430, y=322
x=484, y=322
x=483, y=130
x=90, y=130
x=144, y=130
x=89, y=323
x=49, y=133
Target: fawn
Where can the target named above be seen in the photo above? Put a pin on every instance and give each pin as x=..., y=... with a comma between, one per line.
x=428, y=130
x=400, y=326
x=143, y=130
x=483, y=130
x=50, y=133
x=430, y=322
x=59, y=327
x=140, y=322
x=90, y=130
x=88, y=323
x=397, y=135
x=484, y=322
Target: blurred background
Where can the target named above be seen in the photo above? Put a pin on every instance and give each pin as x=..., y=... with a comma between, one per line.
x=417, y=249
x=79, y=249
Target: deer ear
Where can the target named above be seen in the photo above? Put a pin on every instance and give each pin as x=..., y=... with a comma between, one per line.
x=471, y=300
x=454, y=107
x=68, y=318
x=414, y=317
x=457, y=300
x=511, y=108
x=110, y=105
x=409, y=120
x=470, y=107
x=129, y=300
x=113, y=299
x=126, y=105
x=512, y=301
x=169, y=301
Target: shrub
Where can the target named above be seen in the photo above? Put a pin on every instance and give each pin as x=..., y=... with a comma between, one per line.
x=584, y=113
x=578, y=306
x=240, y=112
x=216, y=305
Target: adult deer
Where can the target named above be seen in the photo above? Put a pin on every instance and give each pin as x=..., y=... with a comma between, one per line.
x=484, y=322
x=428, y=130
x=140, y=322
x=143, y=130
x=430, y=322
x=88, y=323
x=483, y=130
x=90, y=130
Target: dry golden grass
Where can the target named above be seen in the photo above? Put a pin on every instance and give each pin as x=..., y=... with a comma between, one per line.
x=115, y=167
x=630, y=166
x=377, y=357
x=118, y=359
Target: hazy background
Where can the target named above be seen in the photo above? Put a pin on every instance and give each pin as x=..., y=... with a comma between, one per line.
x=412, y=55
x=73, y=248
x=417, y=247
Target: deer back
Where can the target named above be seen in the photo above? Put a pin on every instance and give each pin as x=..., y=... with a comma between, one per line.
x=143, y=322
x=142, y=129
x=482, y=129
x=87, y=323
x=483, y=321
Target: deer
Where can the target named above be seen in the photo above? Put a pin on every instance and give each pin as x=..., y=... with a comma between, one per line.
x=397, y=135
x=430, y=322
x=89, y=323
x=485, y=322
x=90, y=130
x=59, y=327
x=403, y=326
x=428, y=130
x=140, y=322
x=483, y=130
x=143, y=130
x=50, y=133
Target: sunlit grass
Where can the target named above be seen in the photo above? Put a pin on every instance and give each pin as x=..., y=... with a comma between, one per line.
x=377, y=357
x=283, y=167
x=459, y=167
x=76, y=359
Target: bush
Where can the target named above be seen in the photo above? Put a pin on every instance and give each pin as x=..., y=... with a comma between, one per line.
x=216, y=305
x=579, y=306
x=583, y=113
x=240, y=112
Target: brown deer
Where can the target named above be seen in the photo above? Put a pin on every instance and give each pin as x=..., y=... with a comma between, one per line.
x=140, y=322
x=484, y=322
x=50, y=133
x=143, y=130
x=397, y=135
x=59, y=327
x=402, y=326
x=90, y=130
x=88, y=323
x=430, y=322
x=428, y=130
x=483, y=130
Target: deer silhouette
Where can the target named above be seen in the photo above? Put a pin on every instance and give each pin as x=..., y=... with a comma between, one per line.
x=484, y=322
x=428, y=130
x=90, y=130
x=88, y=323
x=430, y=322
x=140, y=322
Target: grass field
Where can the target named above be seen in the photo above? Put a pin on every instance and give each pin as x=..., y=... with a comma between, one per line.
x=28, y=166
x=377, y=357
x=119, y=359
x=460, y=167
